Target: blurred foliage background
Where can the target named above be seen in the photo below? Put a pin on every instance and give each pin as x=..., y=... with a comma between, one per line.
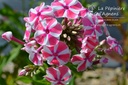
x=12, y=59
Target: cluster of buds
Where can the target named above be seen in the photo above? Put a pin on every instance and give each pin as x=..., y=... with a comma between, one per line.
x=46, y=39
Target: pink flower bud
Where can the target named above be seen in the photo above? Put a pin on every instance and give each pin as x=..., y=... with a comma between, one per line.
x=22, y=72
x=102, y=42
x=103, y=60
x=7, y=36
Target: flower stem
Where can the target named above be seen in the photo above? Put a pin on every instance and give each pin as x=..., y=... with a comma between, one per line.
x=17, y=40
x=96, y=62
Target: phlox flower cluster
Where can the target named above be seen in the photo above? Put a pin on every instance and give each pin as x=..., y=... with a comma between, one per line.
x=46, y=39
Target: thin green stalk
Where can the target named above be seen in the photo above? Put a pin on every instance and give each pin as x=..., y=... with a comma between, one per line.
x=124, y=82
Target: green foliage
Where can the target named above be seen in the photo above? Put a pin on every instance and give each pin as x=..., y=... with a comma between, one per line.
x=72, y=82
x=11, y=20
x=24, y=79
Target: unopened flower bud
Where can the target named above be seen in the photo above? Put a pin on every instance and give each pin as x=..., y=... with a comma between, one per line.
x=104, y=60
x=22, y=72
x=69, y=23
x=7, y=36
x=102, y=42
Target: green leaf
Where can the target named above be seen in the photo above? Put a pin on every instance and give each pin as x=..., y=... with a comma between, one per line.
x=41, y=82
x=74, y=70
x=14, y=53
x=2, y=81
x=72, y=82
x=24, y=79
x=2, y=63
x=84, y=3
x=74, y=51
x=10, y=80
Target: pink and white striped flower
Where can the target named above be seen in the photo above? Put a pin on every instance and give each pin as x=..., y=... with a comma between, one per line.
x=48, y=32
x=58, y=76
x=66, y=8
x=38, y=13
x=35, y=57
x=92, y=24
x=83, y=12
x=34, y=52
x=84, y=60
x=29, y=46
x=27, y=32
x=7, y=36
x=58, y=54
x=114, y=44
x=89, y=43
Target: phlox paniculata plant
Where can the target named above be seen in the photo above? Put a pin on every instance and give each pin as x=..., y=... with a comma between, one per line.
x=48, y=41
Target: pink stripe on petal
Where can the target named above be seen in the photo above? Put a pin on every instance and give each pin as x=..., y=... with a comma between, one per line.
x=77, y=6
x=32, y=16
x=46, y=54
x=52, y=40
x=7, y=36
x=76, y=59
x=91, y=58
x=63, y=70
x=59, y=83
x=57, y=29
x=61, y=46
x=64, y=57
x=50, y=79
x=68, y=1
x=26, y=19
x=47, y=9
x=41, y=39
x=59, y=13
x=52, y=71
x=34, y=58
x=51, y=23
x=83, y=12
x=89, y=32
x=27, y=35
x=86, y=22
x=55, y=62
x=98, y=29
x=71, y=14
x=119, y=49
x=81, y=67
x=100, y=19
x=40, y=26
x=56, y=4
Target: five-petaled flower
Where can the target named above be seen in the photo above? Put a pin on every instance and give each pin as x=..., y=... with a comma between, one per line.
x=34, y=52
x=38, y=13
x=35, y=16
x=114, y=44
x=89, y=43
x=84, y=60
x=66, y=8
x=92, y=24
x=58, y=76
x=48, y=32
x=58, y=54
